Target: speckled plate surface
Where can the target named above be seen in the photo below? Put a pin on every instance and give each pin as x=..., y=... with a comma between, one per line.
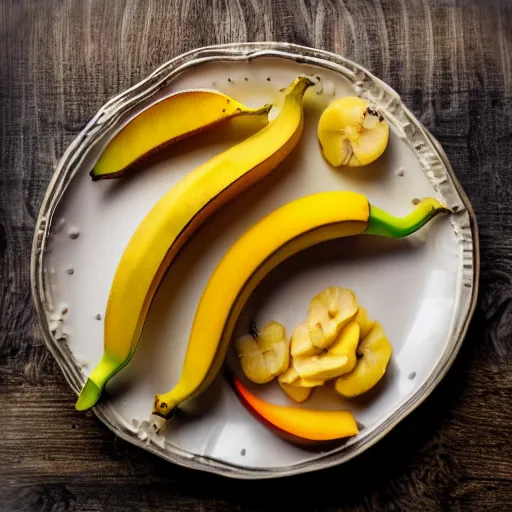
x=422, y=289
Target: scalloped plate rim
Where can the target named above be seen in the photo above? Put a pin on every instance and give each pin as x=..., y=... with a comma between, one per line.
x=108, y=115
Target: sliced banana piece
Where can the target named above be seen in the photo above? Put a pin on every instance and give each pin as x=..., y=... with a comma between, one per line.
x=265, y=356
x=374, y=353
x=352, y=133
x=328, y=312
x=339, y=359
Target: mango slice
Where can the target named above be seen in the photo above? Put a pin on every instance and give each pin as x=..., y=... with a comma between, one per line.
x=352, y=133
x=179, y=116
x=339, y=359
x=374, y=354
x=309, y=424
x=328, y=312
x=265, y=356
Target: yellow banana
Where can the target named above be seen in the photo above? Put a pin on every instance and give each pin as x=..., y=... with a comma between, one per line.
x=289, y=229
x=179, y=116
x=173, y=220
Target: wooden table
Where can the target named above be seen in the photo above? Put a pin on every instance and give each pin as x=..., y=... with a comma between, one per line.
x=451, y=63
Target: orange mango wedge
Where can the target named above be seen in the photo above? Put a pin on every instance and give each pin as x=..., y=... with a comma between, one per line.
x=306, y=424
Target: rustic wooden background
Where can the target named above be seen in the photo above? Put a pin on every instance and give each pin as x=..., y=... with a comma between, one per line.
x=451, y=62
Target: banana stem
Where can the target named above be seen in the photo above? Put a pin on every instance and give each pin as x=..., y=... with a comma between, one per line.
x=382, y=223
x=299, y=85
x=258, y=111
x=93, y=388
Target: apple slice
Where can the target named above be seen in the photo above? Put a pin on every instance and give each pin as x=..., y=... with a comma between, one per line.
x=352, y=133
x=292, y=378
x=296, y=393
x=339, y=359
x=301, y=344
x=265, y=356
x=365, y=324
x=328, y=312
x=374, y=354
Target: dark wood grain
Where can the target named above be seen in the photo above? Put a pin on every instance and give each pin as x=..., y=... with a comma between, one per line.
x=452, y=64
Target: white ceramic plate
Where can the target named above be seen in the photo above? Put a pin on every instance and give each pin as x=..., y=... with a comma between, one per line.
x=422, y=289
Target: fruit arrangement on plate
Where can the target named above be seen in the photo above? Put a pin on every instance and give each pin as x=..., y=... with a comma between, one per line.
x=337, y=343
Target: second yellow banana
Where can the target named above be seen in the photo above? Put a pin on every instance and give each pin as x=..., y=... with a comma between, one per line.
x=289, y=229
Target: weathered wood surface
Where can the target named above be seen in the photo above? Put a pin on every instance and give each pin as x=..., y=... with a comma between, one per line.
x=452, y=64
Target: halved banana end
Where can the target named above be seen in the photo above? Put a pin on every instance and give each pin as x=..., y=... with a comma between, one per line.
x=374, y=354
x=265, y=356
x=328, y=313
x=89, y=396
x=95, y=384
x=351, y=133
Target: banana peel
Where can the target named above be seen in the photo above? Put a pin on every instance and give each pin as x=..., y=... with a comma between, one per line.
x=172, y=119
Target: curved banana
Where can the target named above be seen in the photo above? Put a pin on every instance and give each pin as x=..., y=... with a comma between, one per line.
x=172, y=119
x=173, y=220
x=287, y=230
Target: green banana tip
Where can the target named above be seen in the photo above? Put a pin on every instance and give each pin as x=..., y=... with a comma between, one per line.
x=383, y=224
x=89, y=396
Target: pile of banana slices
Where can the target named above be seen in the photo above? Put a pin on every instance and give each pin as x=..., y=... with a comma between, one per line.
x=338, y=343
